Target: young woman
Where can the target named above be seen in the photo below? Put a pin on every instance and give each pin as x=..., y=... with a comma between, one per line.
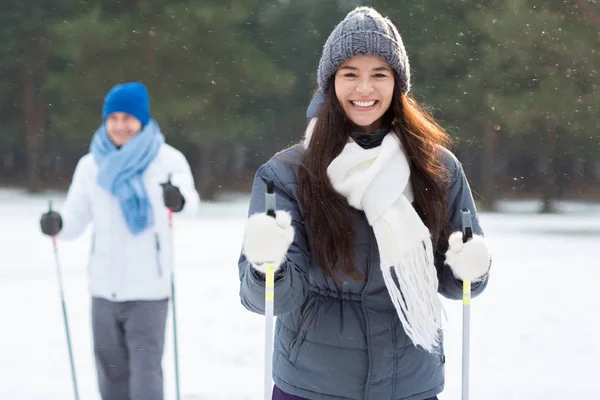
x=367, y=232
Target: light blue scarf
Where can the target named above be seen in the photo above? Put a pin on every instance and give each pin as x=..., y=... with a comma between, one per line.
x=120, y=172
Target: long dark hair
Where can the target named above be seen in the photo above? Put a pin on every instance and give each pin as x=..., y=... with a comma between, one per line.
x=327, y=213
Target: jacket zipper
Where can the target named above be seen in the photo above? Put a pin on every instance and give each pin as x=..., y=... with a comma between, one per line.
x=158, y=263
x=370, y=270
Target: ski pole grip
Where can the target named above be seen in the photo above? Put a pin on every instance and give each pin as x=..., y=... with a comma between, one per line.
x=270, y=199
x=467, y=225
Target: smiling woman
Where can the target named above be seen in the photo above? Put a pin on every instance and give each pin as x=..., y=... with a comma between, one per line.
x=362, y=239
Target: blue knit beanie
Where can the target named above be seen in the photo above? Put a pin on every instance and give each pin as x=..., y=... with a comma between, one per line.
x=131, y=98
x=364, y=32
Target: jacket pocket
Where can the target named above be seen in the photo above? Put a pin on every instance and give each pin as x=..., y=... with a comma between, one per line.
x=158, y=262
x=307, y=317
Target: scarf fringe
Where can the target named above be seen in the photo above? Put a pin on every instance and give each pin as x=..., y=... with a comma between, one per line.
x=415, y=288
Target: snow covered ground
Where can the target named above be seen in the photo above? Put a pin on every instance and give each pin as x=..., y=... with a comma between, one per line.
x=534, y=331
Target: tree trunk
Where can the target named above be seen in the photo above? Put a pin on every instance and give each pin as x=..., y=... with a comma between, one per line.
x=34, y=110
x=207, y=184
x=549, y=189
x=488, y=168
x=151, y=53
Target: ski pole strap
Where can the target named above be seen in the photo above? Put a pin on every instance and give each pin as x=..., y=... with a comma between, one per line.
x=270, y=199
x=467, y=225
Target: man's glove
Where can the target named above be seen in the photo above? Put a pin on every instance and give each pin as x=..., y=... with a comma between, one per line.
x=51, y=223
x=172, y=196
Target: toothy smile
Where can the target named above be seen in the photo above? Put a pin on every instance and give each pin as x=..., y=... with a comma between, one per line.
x=364, y=103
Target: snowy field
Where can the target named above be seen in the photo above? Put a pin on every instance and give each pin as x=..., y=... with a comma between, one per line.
x=534, y=331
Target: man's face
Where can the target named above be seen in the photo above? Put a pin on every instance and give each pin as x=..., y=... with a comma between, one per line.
x=121, y=127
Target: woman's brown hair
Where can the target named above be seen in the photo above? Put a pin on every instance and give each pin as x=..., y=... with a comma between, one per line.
x=327, y=213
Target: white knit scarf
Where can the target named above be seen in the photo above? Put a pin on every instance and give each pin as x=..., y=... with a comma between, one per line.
x=376, y=181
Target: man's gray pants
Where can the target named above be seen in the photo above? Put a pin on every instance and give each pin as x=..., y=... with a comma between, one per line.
x=129, y=341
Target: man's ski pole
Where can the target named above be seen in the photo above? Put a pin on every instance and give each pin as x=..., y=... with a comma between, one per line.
x=173, y=304
x=467, y=234
x=64, y=311
x=269, y=299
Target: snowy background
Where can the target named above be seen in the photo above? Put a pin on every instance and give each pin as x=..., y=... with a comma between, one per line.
x=534, y=330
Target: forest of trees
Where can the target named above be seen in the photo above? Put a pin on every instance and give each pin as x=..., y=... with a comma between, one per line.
x=515, y=82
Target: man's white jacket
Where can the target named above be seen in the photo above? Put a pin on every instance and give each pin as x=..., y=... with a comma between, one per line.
x=124, y=267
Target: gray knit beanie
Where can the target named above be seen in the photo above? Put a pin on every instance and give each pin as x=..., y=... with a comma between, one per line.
x=364, y=32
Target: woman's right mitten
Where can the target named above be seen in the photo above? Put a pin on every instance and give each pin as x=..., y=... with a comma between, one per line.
x=267, y=239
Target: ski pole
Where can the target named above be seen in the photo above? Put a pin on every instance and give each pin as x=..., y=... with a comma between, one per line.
x=269, y=299
x=64, y=310
x=175, y=345
x=467, y=234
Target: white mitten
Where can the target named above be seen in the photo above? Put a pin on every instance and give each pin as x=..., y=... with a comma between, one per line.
x=469, y=261
x=267, y=239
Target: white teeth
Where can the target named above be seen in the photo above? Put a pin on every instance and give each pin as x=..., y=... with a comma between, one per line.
x=363, y=103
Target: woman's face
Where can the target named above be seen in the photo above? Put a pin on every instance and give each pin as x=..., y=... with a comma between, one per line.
x=364, y=86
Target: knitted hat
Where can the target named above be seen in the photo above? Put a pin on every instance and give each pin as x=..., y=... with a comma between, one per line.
x=364, y=32
x=131, y=98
